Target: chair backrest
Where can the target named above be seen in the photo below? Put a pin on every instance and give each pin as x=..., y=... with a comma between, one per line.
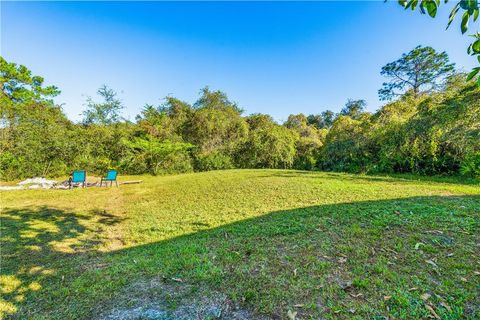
x=111, y=175
x=79, y=176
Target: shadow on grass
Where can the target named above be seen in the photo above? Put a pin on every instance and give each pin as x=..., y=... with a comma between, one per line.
x=35, y=243
x=268, y=263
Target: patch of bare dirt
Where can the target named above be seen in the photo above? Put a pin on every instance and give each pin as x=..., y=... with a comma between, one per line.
x=161, y=300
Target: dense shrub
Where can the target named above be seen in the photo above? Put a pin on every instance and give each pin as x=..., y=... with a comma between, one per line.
x=212, y=161
x=39, y=140
x=471, y=165
x=310, y=141
x=423, y=133
x=269, y=145
x=348, y=145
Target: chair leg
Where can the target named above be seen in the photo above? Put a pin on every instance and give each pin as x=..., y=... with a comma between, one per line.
x=116, y=183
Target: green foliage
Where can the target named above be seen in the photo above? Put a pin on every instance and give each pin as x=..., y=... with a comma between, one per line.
x=471, y=12
x=308, y=150
x=354, y=109
x=167, y=121
x=310, y=140
x=18, y=85
x=212, y=129
x=432, y=134
x=101, y=147
x=437, y=132
x=217, y=129
x=213, y=160
x=388, y=130
x=347, y=145
x=421, y=70
x=215, y=100
x=471, y=165
x=10, y=165
x=328, y=118
x=154, y=155
x=37, y=142
x=107, y=112
x=33, y=133
x=269, y=145
x=323, y=120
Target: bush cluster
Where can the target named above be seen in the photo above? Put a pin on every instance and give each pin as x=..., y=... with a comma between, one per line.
x=434, y=133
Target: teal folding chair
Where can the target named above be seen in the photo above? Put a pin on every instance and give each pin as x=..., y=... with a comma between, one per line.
x=111, y=176
x=78, y=177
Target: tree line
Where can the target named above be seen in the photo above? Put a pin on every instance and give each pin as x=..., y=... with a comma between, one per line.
x=430, y=124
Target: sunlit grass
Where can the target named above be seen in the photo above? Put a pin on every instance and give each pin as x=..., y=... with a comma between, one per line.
x=320, y=244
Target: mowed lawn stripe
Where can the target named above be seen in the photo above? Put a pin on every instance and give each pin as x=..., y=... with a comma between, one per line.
x=320, y=244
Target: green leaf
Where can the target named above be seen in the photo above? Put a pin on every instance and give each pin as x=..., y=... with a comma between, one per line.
x=475, y=14
x=469, y=5
x=473, y=73
x=464, y=25
x=476, y=46
x=453, y=13
x=414, y=4
x=431, y=7
x=478, y=58
x=422, y=7
x=478, y=81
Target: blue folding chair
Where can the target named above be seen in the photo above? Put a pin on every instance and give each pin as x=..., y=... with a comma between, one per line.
x=111, y=176
x=78, y=177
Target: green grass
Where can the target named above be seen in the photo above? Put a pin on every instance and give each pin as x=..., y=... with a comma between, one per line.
x=324, y=245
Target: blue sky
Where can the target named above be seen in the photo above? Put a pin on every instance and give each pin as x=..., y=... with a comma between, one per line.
x=270, y=57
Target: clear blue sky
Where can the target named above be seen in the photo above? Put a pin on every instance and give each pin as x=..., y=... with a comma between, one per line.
x=270, y=57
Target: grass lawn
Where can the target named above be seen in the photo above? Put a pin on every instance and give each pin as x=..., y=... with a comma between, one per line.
x=270, y=243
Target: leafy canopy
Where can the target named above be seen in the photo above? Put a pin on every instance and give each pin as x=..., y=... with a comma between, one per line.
x=421, y=70
x=471, y=12
x=354, y=108
x=321, y=121
x=153, y=152
x=18, y=85
x=107, y=112
x=434, y=133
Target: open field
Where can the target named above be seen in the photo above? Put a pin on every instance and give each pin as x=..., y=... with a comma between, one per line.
x=244, y=243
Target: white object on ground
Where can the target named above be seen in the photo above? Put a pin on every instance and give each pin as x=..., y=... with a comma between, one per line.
x=11, y=187
x=40, y=181
x=32, y=183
